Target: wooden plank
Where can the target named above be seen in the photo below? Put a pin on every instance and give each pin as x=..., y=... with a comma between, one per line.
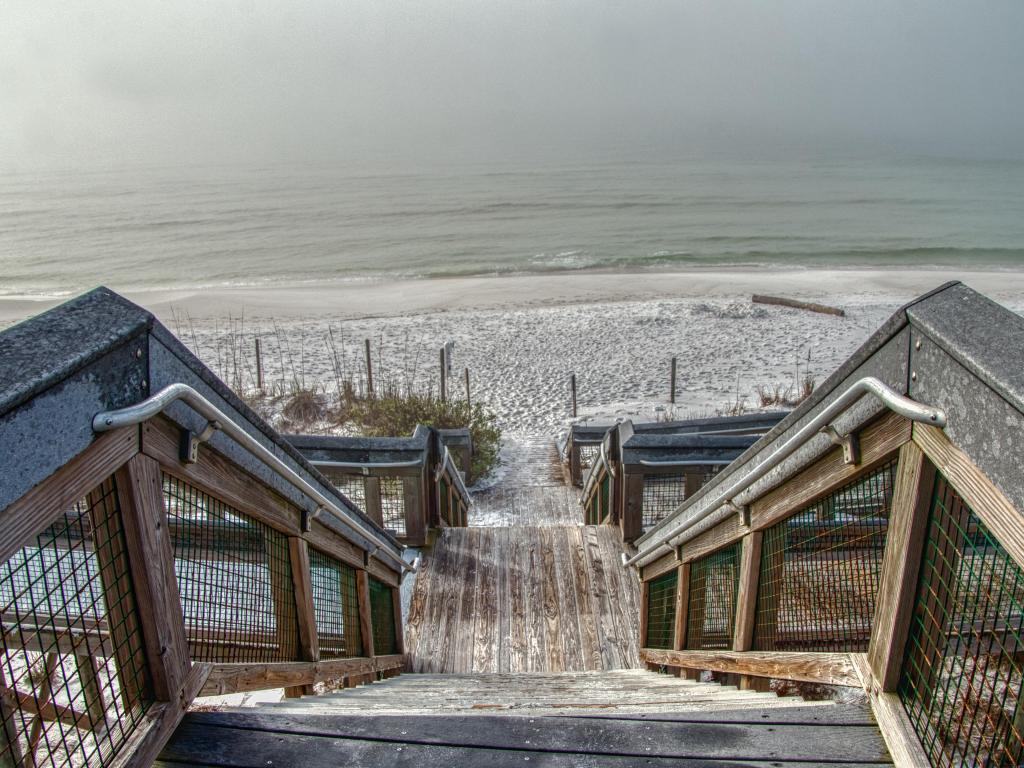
x=809, y=306
x=220, y=478
x=518, y=607
x=415, y=519
x=365, y=612
x=979, y=493
x=418, y=607
x=827, y=668
x=382, y=571
x=371, y=491
x=682, y=607
x=504, y=563
x=897, y=584
x=746, y=598
x=21, y=521
x=238, y=678
x=330, y=543
x=552, y=610
x=541, y=739
x=536, y=660
x=454, y=573
x=812, y=714
x=396, y=605
x=151, y=560
x=485, y=614
x=466, y=587
x=877, y=443
x=632, y=517
x=590, y=647
x=624, y=609
x=572, y=651
x=605, y=624
x=726, y=532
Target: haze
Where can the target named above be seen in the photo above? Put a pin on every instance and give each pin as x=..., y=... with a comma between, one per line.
x=189, y=82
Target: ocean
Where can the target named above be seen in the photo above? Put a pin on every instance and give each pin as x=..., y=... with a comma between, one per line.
x=186, y=228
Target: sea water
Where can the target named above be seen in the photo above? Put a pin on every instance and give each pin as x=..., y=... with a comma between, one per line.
x=190, y=227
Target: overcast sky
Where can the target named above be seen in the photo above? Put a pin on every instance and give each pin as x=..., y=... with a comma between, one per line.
x=85, y=84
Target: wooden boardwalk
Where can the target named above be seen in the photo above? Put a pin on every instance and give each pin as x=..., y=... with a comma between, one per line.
x=537, y=599
x=535, y=591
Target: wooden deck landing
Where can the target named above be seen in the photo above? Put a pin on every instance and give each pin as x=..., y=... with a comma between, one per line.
x=784, y=738
x=537, y=599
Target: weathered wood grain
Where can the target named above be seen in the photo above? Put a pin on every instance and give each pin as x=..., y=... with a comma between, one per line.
x=827, y=668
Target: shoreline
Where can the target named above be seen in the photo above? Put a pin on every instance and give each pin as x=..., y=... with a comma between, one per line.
x=403, y=297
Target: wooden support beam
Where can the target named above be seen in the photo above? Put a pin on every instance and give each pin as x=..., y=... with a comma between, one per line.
x=746, y=596
x=238, y=678
x=900, y=737
x=633, y=506
x=826, y=668
x=365, y=612
x=645, y=601
x=396, y=603
x=151, y=560
x=309, y=640
x=682, y=607
x=897, y=586
x=371, y=492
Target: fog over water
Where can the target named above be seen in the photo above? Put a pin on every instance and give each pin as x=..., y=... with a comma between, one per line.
x=399, y=84
x=154, y=145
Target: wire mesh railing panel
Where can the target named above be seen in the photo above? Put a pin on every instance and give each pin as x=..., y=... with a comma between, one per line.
x=711, y=612
x=820, y=568
x=335, y=606
x=962, y=671
x=392, y=504
x=588, y=455
x=661, y=611
x=73, y=678
x=235, y=579
x=353, y=486
x=382, y=616
x=662, y=494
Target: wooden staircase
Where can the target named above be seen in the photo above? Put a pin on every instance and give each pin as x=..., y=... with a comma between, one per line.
x=609, y=718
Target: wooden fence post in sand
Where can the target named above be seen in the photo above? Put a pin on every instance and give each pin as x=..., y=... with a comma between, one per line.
x=572, y=383
x=444, y=379
x=369, y=371
x=672, y=383
x=259, y=366
x=469, y=404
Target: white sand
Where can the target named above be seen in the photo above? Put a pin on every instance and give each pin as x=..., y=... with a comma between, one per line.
x=522, y=336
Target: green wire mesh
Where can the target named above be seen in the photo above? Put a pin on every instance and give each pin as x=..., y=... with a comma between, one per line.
x=661, y=610
x=73, y=679
x=235, y=579
x=711, y=615
x=392, y=504
x=335, y=606
x=662, y=494
x=820, y=569
x=962, y=672
x=382, y=615
x=588, y=453
x=353, y=486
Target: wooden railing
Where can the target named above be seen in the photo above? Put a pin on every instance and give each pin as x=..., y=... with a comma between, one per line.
x=453, y=499
x=135, y=582
x=902, y=574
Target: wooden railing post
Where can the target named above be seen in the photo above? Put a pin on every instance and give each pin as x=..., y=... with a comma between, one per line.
x=746, y=603
x=371, y=492
x=151, y=560
x=365, y=612
x=897, y=586
x=632, y=508
x=682, y=606
x=309, y=639
x=396, y=603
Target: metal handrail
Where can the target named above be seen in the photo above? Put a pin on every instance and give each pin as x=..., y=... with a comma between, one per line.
x=330, y=464
x=869, y=385
x=687, y=463
x=151, y=406
x=592, y=473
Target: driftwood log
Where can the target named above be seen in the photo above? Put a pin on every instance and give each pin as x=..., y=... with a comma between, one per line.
x=809, y=306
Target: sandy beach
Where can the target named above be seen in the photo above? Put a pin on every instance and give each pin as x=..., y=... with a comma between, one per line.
x=522, y=336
